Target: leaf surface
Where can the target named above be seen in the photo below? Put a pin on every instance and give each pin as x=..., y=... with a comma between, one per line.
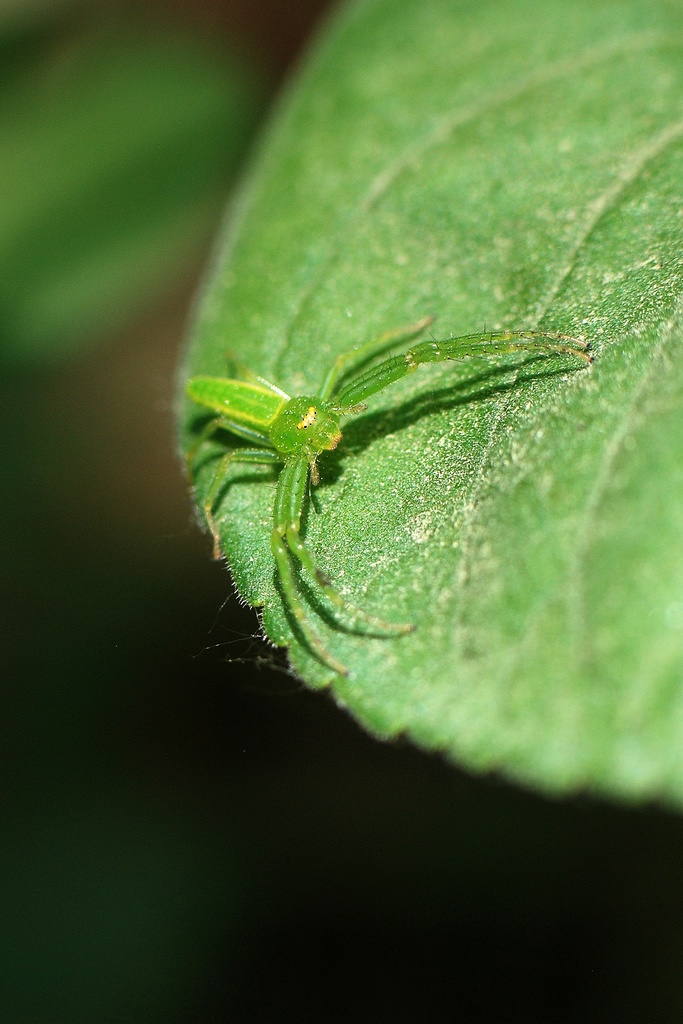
x=513, y=164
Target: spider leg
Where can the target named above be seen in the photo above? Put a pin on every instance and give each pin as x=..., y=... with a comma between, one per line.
x=209, y=430
x=378, y=377
x=296, y=605
x=286, y=542
x=349, y=361
x=289, y=499
x=298, y=548
x=260, y=456
x=223, y=422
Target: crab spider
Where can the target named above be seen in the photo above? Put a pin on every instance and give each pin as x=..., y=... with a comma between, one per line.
x=293, y=432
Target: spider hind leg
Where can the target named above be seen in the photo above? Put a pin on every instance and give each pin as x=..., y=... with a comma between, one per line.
x=287, y=546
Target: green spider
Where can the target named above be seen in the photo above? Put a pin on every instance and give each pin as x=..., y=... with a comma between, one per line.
x=293, y=432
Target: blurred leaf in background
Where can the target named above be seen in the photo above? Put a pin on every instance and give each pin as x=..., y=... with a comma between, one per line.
x=120, y=137
x=116, y=146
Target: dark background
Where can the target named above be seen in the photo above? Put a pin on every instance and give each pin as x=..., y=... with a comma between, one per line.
x=188, y=834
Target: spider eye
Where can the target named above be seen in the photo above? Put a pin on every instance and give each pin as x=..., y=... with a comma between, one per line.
x=308, y=419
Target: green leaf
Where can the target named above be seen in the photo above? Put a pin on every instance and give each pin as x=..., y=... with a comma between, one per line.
x=512, y=164
x=115, y=153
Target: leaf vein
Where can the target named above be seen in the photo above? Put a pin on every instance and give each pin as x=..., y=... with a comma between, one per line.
x=597, y=208
x=513, y=91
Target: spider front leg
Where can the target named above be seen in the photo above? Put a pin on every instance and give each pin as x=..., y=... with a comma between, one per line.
x=286, y=543
x=369, y=382
x=346, y=363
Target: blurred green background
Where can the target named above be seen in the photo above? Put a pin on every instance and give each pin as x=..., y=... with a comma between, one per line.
x=188, y=834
